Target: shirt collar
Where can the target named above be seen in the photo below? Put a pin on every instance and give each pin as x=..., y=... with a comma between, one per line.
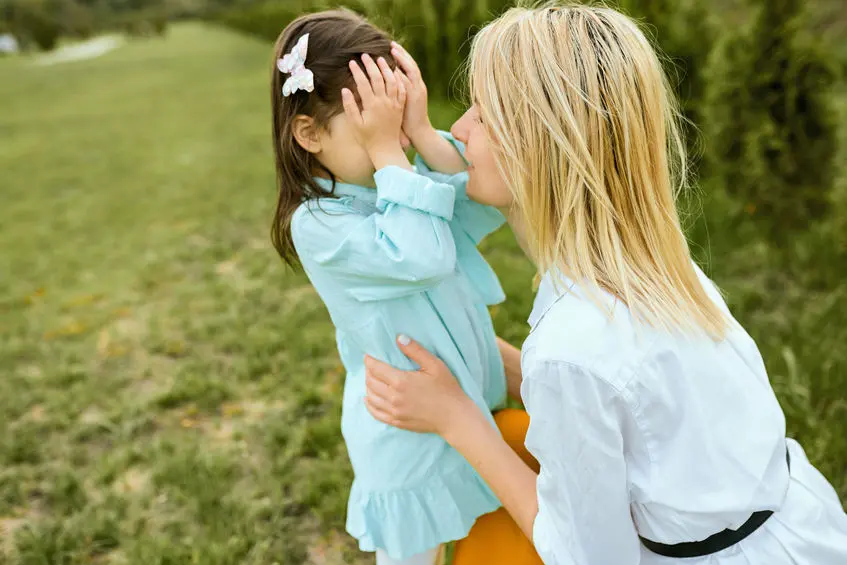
x=549, y=293
x=345, y=189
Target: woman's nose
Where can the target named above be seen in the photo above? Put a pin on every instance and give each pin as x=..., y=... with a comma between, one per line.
x=459, y=130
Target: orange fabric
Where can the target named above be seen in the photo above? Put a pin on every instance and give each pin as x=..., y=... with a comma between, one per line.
x=495, y=538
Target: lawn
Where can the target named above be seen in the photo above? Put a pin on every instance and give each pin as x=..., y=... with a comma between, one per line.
x=170, y=393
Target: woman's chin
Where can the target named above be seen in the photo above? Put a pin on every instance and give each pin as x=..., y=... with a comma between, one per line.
x=486, y=199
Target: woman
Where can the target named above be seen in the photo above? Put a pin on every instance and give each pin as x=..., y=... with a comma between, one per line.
x=651, y=415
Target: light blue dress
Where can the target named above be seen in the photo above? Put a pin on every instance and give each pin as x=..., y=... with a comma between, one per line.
x=403, y=258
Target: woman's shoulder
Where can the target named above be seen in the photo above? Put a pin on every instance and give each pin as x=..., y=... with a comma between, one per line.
x=603, y=338
x=598, y=336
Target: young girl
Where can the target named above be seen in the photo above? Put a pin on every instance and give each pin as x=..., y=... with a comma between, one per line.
x=386, y=247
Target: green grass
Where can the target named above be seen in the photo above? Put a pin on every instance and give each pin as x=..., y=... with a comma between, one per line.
x=169, y=393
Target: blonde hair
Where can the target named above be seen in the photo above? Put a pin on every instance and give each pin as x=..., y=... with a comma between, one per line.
x=586, y=133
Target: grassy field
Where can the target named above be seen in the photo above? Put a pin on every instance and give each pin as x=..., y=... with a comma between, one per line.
x=169, y=393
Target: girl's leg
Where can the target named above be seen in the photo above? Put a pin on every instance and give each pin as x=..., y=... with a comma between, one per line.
x=425, y=558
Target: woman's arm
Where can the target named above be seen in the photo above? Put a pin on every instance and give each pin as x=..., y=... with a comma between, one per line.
x=512, y=364
x=500, y=467
x=576, y=510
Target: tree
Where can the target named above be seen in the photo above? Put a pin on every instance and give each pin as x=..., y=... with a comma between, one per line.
x=772, y=129
x=684, y=32
x=32, y=22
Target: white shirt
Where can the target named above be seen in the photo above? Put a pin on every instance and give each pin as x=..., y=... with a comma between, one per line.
x=675, y=438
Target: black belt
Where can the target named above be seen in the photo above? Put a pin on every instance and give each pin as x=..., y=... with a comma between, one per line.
x=715, y=543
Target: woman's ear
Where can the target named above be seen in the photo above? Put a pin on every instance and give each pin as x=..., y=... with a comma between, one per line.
x=306, y=133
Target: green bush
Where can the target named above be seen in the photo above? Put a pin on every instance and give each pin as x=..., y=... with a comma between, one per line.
x=143, y=23
x=437, y=32
x=674, y=24
x=33, y=23
x=158, y=22
x=772, y=128
x=76, y=19
x=265, y=19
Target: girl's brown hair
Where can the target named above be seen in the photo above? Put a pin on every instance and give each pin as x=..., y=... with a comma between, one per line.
x=335, y=38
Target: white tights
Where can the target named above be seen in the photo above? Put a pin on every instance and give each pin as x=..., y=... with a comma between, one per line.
x=425, y=558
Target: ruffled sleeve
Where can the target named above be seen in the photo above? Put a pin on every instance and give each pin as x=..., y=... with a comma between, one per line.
x=471, y=222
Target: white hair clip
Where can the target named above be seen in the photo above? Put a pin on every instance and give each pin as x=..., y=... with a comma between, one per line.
x=295, y=64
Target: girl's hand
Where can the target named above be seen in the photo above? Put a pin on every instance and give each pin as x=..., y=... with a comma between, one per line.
x=429, y=400
x=438, y=153
x=416, y=117
x=383, y=99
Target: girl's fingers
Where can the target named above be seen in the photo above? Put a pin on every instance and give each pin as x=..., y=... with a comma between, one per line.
x=388, y=77
x=363, y=85
x=351, y=107
x=404, y=79
x=402, y=91
x=406, y=61
x=377, y=82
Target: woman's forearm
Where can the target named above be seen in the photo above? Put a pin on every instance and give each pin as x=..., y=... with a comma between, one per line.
x=500, y=467
x=512, y=364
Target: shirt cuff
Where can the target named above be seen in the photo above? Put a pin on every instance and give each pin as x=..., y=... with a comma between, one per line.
x=406, y=188
x=458, y=180
x=545, y=542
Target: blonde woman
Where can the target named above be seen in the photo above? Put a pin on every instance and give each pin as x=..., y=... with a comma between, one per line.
x=658, y=435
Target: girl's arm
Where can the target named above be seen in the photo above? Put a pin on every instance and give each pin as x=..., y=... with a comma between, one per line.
x=407, y=245
x=512, y=363
x=439, y=153
x=440, y=156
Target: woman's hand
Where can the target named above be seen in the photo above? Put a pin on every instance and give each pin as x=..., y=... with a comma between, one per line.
x=429, y=400
x=379, y=122
x=416, y=116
